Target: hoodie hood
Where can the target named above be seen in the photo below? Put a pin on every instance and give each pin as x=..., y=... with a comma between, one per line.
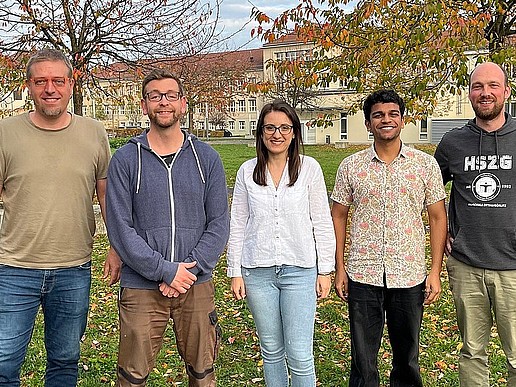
x=507, y=127
x=142, y=142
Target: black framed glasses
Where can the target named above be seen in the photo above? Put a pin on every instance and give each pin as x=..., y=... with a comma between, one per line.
x=156, y=96
x=283, y=129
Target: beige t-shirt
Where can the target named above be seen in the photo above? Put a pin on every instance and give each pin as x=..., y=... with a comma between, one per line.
x=49, y=179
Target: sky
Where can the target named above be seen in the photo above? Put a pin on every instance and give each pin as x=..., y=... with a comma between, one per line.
x=235, y=14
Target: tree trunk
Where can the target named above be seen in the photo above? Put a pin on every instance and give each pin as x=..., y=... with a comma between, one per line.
x=77, y=97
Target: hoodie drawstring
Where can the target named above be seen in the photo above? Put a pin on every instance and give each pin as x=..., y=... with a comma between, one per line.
x=197, y=159
x=139, y=167
x=198, y=162
x=497, y=151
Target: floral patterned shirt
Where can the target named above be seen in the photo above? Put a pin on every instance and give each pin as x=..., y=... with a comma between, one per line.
x=387, y=233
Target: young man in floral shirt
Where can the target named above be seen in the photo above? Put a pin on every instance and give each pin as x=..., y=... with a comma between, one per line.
x=389, y=185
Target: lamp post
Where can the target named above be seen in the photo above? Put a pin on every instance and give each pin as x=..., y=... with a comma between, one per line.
x=206, y=119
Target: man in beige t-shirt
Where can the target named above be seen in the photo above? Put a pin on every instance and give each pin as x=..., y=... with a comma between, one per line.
x=51, y=164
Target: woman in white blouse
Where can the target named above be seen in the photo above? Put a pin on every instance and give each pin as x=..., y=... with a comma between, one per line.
x=281, y=246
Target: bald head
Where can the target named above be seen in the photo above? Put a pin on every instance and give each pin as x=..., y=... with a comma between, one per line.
x=491, y=68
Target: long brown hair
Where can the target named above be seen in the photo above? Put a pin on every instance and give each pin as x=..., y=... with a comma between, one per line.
x=262, y=153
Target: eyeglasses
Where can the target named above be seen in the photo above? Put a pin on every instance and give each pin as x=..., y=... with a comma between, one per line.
x=42, y=82
x=156, y=96
x=271, y=129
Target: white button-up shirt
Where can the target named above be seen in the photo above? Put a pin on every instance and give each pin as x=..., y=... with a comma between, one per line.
x=281, y=226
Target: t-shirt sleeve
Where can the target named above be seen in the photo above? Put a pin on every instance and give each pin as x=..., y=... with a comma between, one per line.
x=104, y=154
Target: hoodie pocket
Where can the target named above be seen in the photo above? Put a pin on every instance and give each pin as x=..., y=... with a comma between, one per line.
x=159, y=240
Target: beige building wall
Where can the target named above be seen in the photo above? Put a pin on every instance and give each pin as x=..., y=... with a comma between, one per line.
x=334, y=100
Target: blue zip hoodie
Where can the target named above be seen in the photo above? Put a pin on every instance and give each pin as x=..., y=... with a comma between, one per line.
x=160, y=215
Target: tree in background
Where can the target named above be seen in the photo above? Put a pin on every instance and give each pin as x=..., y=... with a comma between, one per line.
x=98, y=33
x=290, y=80
x=213, y=80
x=419, y=47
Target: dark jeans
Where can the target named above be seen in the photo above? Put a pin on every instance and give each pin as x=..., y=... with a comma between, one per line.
x=369, y=306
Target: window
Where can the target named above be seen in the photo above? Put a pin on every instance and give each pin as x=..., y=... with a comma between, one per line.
x=231, y=126
x=232, y=106
x=343, y=126
x=458, y=104
x=511, y=69
x=252, y=105
x=241, y=126
x=292, y=55
x=252, y=126
x=17, y=95
x=324, y=84
x=423, y=130
x=241, y=105
x=510, y=108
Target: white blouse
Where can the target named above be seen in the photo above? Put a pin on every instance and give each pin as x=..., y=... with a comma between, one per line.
x=281, y=226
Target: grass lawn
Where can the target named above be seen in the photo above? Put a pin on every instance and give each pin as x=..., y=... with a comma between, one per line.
x=239, y=362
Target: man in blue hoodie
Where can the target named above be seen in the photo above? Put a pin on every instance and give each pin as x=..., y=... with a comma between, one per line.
x=479, y=159
x=168, y=220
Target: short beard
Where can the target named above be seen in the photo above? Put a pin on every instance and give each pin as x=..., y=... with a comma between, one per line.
x=51, y=112
x=489, y=115
x=164, y=125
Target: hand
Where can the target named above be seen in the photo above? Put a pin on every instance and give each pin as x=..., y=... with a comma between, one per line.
x=448, y=245
x=168, y=291
x=184, y=279
x=433, y=288
x=322, y=286
x=238, y=288
x=112, y=267
x=341, y=284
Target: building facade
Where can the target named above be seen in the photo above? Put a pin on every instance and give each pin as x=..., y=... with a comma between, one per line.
x=223, y=98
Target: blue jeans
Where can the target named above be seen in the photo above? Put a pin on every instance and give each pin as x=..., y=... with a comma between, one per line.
x=369, y=307
x=64, y=298
x=282, y=300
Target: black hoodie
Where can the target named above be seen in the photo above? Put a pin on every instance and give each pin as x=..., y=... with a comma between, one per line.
x=482, y=210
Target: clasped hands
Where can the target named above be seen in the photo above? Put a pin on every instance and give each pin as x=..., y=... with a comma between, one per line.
x=181, y=282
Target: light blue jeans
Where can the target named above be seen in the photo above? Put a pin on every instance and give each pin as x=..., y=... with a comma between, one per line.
x=64, y=298
x=282, y=300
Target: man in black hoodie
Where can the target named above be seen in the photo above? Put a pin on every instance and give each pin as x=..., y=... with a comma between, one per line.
x=481, y=248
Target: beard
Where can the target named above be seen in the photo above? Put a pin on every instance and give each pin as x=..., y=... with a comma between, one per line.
x=164, y=123
x=488, y=114
x=52, y=112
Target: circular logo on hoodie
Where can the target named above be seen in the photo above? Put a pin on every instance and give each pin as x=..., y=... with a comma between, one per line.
x=486, y=186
